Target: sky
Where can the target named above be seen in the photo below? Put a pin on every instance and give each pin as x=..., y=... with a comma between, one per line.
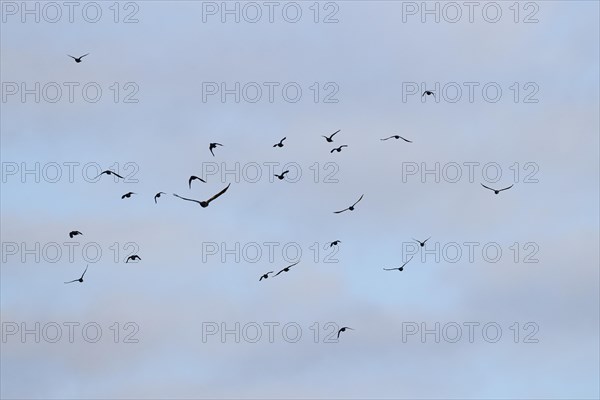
x=501, y=302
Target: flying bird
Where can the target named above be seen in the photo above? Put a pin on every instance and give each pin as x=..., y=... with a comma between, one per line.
x=193, y=178
x=282, y=174
x=78, y=59
x=428, y=93
x=207, y=202
x=280, y=144
x=343, y=330
x=335, y=243
x=338, y=149
x=80, y=279
x=397, y=137
x=423, y=242
x=157, y=195
x=496, y=191
x=128, y=195
x=330, y=138
x=351, y=208
x=286, y=269
x=213, y=146
x=133, y=257
x=74, y=233
x=108, y=172
x=399, y=268
x=265, y=276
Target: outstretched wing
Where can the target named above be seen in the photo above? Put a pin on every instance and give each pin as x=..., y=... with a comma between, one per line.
x=506, y=188
x=184, y=198
x=358, y=200
x=341, y=211
x=218, y=194
x=406, y=140
x=487, y=187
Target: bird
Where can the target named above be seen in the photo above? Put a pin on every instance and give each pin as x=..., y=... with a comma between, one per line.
x=128, y=195
x=282, y=174
x=193, y=178
x=133, y=257
x=496, y=191
x=330, y=138
x=207, y=202
x=286, y=269
x=108, y=172
x=399, y=268
x=213, y=146
x=78, y=59
x=351, y=208
x=335, y=243
x=338, y=149
x=157, y=195
x=423, y=242
x=280, y=144
x=265, y=276
x=428, y=93
x=80, y=279
x=398, y=137
x=74, y=233
x=343, y=329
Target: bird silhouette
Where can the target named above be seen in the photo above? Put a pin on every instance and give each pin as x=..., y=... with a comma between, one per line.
x=80, y=279
x=265, y=276
x=207, y=202
x=351, y=208
x=193, y=178
x=335, y=243
x=282, y=174
x=280, y=144
x=157, y=195
x=428, y=93
x=128, y=195
x=338, y=149
x=74, y=233
x=399, y=268
x=343, y=329
x=496, y=191
x=108, y=172
x=423, y=242
x=133, y=257
x=78, y=59
x=330, y=138
x=212, y=146
x=286, y=269
x=397, y=137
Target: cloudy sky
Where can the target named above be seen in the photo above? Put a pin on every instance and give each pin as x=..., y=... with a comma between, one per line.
x=502, y=302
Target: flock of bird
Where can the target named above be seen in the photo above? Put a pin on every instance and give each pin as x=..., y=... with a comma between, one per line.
x=211, y=147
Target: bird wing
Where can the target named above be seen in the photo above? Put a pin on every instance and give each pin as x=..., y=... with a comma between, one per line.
x=406, y=262
x=333, y=150
x=344, y=145
x=387, y=138
x=426, y=239
x=84, y=272
x=334, y=133
x=340, y=331
x=115, y=174
x=406, y=140
x=487, y=187
x=184, y=198
x=278, y=273
x=389, y=269
x=211, y=152
x=290, y=266
x=218, y=194
x=73, y=59
x=506, y=188
x=74, y=280
x=71, y=235
x=122, y=197
x=358, y=200
x=341, y=211
x=84, y=55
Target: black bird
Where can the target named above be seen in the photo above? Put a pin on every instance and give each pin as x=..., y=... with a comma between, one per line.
x=338, y=149
x=282, y=174
x=335, y=243
x=343, y=330
x=265, y=276
x=496, y=191
x=286, y=269
x=80, y=279
x=107, y=172
x=428, y=93
x=423, y=242
x=280, y=144
x=128, y=195
x=398, y=137
x=330, y=138
x=133, y=257
x=207, y=202
x=351, y=208
x=74, y=233
x=193, y=178
x=157, y=195
x=399, y=268
x=213, y=146
x=78, y=59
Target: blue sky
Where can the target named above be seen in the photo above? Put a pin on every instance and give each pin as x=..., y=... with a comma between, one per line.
x=176, y=289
